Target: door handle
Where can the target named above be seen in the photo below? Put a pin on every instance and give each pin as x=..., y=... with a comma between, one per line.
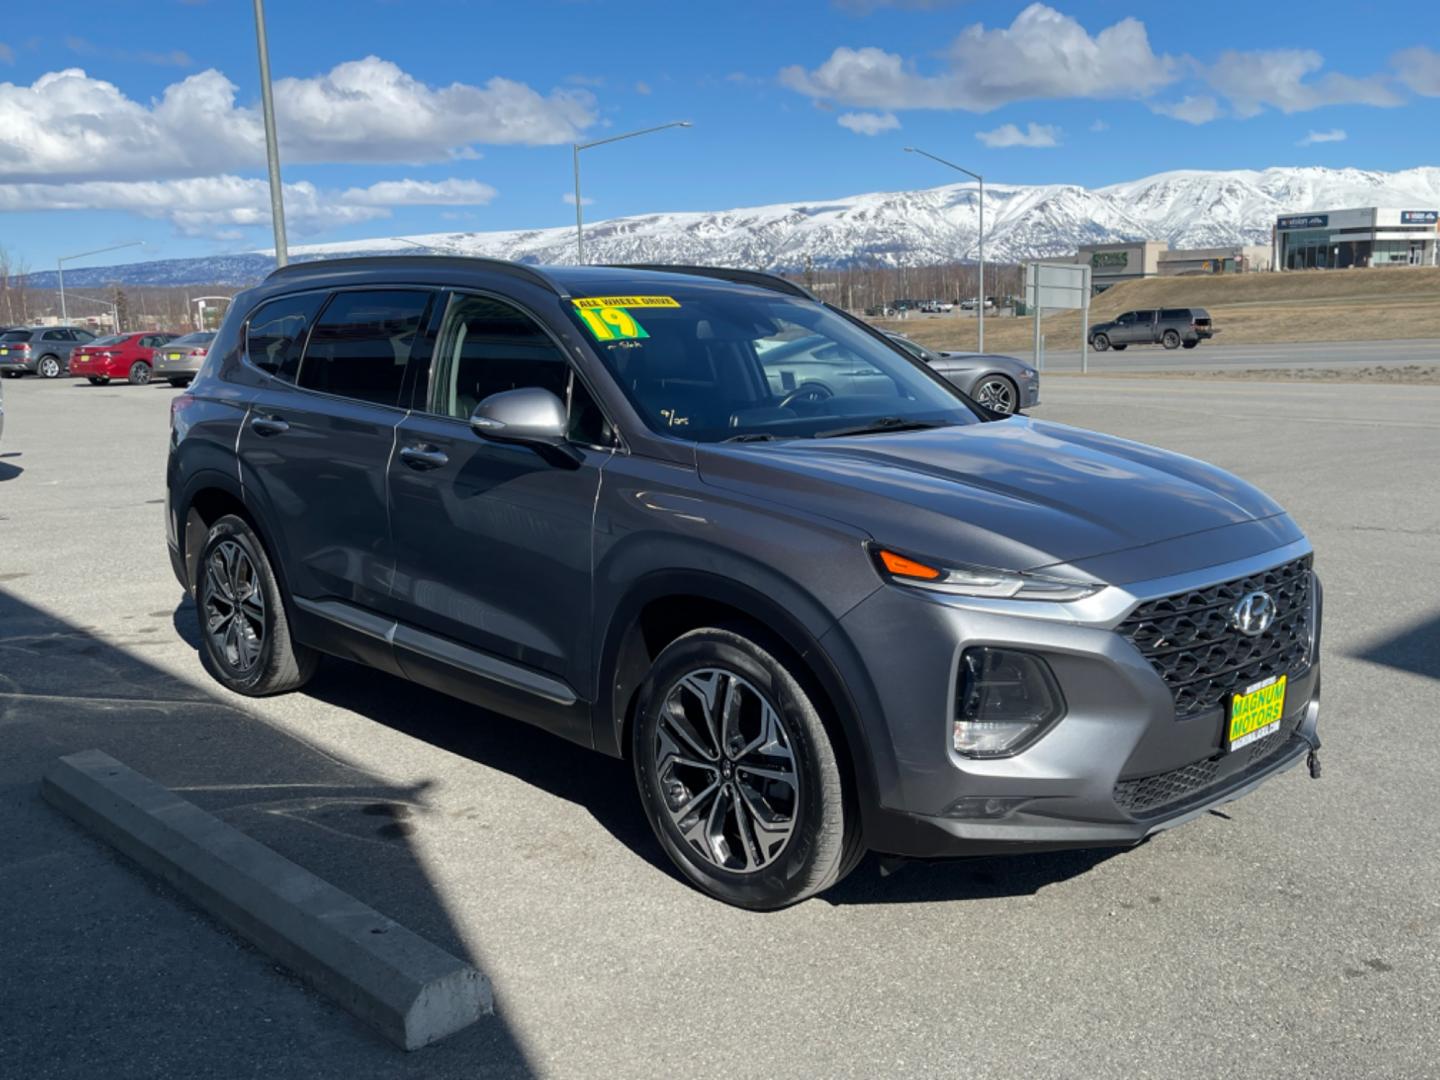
x=269, y=425
x=423, y=456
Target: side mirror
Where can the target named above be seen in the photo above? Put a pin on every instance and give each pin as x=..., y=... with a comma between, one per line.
x=529, y=416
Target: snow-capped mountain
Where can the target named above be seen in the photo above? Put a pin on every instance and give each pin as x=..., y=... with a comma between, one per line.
x=910, y=228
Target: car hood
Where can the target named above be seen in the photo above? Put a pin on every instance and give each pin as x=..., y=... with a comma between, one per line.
x=1015, y=494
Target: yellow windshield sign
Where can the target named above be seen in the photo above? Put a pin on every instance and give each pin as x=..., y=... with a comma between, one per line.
x=592, y=302
x=611, y=324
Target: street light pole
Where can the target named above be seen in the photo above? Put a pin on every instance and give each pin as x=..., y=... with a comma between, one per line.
x=575, y=149
x=272, y=144
x=980, y=304
x=63, y=259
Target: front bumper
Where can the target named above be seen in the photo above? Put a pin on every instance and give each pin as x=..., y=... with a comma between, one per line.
x=1092, y=779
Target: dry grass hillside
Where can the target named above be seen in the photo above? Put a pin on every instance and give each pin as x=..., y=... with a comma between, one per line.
x=1316, y=305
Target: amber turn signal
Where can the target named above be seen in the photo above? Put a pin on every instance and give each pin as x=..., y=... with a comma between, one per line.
x=900, y=566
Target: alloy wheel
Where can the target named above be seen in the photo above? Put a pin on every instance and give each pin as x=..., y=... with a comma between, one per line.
x=49, y=367
x=140, y=373
x=727, y=771
x=234, y=606
x=996, y=395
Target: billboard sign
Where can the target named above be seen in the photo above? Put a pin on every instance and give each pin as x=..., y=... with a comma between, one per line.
x=1057, y=285
x=1419, y=217
x=1304, y=221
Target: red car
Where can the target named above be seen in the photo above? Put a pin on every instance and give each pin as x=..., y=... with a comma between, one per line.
x=119, y=356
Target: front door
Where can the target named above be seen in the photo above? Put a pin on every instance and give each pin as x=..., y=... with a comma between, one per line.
x=493, y=541
x=317, y=441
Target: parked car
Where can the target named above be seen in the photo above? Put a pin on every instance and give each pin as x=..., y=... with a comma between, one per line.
x=120, y=356
x=41, y=350
x=179, y=361
x=815, y=624
x=1000, y=383
x=1171, y=327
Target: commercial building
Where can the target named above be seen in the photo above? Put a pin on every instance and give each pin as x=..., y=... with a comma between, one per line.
x=1371, y=236
x=1233, y=259
x=1125, y=260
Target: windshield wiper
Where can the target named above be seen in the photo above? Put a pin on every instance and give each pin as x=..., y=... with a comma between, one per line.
x=879, y=424
x=751, y=436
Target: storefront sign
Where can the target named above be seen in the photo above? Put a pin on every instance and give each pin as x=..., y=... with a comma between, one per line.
x=1110, y=260
x=1419, y=217
x=1304, y=221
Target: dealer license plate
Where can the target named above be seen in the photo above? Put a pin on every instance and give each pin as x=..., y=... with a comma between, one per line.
x=1255, y=712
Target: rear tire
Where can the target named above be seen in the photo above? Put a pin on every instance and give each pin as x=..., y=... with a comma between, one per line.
x=245, y=640
x=737, y=773
x=48, y=367
x=1170, y=339
x=139, y=374
x=1100, y=342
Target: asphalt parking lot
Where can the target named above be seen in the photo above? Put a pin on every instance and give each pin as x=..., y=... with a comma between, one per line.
x=1294, y=933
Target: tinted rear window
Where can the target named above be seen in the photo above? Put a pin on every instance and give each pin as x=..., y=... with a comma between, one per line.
x=361, y=344
x=15, y=335
x=202, y=338
x=275, y=333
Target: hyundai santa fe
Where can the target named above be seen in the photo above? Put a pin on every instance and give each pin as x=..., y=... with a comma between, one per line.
x=854, y=611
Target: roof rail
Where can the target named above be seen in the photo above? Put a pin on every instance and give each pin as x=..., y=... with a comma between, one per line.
x=502, y=266
x=764, y=280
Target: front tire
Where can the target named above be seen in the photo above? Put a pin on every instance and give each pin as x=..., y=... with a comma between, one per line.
x=245, y=640
x=139, y=374
x=48, y=367
x=998, y=394
x=1170, y=339
x=738, y=775
x=1100, y=343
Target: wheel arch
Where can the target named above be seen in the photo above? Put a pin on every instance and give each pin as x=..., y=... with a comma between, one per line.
x=663, y=605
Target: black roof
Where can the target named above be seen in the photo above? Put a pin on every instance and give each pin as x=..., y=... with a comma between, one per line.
x=564, y=281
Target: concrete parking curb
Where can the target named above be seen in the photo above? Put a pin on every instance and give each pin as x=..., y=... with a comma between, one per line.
x=412, y=991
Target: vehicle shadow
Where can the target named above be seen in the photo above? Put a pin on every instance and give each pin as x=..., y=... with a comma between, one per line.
x=8, y=471
x=103, y=963
x=606, y=787
x=1415, y=649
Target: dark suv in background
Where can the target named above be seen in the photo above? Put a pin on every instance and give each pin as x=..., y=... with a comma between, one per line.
x=823, y=615
x=1171, y=327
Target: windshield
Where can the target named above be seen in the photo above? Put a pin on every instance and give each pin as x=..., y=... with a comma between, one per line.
x=711, y=363
x=15, y=335
x=113, y=339
x=203, y=337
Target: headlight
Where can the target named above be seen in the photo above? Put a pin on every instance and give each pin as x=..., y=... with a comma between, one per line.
x=1004, y=701
x=979, y=580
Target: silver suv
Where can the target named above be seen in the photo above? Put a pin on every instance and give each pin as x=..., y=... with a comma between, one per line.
x=849, y=612
x=41, y=350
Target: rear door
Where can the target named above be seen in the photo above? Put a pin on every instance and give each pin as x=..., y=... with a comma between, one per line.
x=316, y=443
x=493, y=542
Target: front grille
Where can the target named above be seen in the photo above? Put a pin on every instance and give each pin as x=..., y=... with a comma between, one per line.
x=1148, y=794
x=1190, y=642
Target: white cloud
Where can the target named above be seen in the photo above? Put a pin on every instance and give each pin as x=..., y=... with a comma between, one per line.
x=69, y=126
x=1192, y=108
x=1419, y=69
x=569, y=199
x=1036, y=136
x=1042, y=54
x=1333, y=135
x=214, y=206
x=868, y=123
x=1281, y=79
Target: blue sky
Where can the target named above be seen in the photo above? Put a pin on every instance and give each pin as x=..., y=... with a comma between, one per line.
x=461, y=118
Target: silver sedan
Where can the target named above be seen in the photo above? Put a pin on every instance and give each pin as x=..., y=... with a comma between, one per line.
x=1000, y=383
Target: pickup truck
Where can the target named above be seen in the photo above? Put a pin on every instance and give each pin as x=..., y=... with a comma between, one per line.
x=1171, y=327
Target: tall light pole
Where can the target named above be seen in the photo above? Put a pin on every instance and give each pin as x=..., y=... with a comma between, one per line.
x=114, y=309
x=272, y=144
x=575, y=149
x=63, y=259
x=980, y=305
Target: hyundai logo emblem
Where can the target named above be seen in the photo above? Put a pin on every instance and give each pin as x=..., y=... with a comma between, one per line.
x=1253, y=614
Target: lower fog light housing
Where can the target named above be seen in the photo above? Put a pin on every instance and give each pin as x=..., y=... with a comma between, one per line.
x=1004, y=701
